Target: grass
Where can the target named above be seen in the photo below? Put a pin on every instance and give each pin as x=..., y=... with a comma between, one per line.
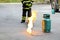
x=16, y=1
x=10, y=1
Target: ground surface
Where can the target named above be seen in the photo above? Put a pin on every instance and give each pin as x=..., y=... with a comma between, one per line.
x=12, y=29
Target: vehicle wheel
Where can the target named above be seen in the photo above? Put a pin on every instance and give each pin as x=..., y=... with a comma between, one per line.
x=56, y=10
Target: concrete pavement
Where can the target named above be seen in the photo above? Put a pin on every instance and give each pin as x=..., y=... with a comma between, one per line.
x=12, y=29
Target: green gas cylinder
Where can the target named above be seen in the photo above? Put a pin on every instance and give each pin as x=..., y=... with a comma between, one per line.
x=46, y=23
x=53, y=11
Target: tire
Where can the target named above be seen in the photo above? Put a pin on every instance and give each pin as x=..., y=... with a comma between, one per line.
x=56, y=10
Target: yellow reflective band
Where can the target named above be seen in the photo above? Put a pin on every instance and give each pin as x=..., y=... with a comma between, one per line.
x=29, y=4
x=27, y=8
x=23, y=18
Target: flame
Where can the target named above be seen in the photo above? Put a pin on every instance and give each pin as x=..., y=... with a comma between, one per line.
x=31, y=22
x=30, y=26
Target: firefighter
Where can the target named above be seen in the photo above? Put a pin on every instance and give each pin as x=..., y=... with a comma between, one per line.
x=27, y=4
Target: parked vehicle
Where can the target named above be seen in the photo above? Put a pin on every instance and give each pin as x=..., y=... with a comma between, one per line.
x=55, y=4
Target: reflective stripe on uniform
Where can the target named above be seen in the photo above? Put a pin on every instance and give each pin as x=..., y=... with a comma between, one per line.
x=28, y=4
x=27, y=8
x=23, y=18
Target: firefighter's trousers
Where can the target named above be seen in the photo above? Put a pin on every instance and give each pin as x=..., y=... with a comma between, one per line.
x=26, y=11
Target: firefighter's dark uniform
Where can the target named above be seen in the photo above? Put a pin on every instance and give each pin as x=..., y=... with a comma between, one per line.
x=26, y=8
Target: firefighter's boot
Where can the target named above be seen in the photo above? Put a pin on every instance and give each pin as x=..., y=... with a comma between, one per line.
x=23, y=21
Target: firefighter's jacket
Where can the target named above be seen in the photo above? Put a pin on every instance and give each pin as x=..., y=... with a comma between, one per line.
x=27, y=4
